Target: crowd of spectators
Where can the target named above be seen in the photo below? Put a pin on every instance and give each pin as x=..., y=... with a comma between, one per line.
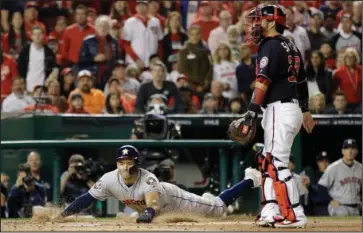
x=109, y=57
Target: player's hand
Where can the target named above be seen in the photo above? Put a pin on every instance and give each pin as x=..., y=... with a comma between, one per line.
x=308, y=122
x=100, y=57
x=144, y=218
x=305, y=180
x=334, y=203
x=140, y=64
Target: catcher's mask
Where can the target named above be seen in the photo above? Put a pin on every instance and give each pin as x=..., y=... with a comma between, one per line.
x=256, y=15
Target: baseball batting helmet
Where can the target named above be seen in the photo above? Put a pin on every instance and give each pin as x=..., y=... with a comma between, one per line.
x=268, y=12
x=129, y=152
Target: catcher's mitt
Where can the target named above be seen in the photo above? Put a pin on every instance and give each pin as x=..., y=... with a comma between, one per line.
x=243, y=130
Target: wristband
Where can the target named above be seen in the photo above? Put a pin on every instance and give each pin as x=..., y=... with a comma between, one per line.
x=150, y=211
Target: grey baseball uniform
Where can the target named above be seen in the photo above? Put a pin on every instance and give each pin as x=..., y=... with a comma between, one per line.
x=344, y=184
x=172, y=198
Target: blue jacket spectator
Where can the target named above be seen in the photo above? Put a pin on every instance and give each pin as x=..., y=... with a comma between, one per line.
x=99, y=52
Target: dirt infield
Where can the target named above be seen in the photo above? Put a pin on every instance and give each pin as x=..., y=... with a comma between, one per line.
x=176, y=223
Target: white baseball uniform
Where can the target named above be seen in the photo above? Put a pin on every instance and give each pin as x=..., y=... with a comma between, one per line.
x=144, y=39
x=344, y=185
x=172, y=198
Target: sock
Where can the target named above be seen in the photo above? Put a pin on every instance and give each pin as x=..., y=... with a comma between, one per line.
x=228, y=196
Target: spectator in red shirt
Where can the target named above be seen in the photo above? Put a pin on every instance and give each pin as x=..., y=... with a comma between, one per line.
x=206, y=20
x=16, y=38
x=329, y=55
x=174, y=38
x=154, y=7
x=120, y=11
x=73, y=37
x=348, y=78
x=77, y=105
x=60, y=26
x=9, y=71
x=31, y=19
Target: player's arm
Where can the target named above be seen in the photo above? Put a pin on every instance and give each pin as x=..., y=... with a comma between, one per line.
x=303, y=94
x=152, y=199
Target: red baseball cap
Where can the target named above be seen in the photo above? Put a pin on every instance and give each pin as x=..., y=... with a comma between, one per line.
x=66, y=71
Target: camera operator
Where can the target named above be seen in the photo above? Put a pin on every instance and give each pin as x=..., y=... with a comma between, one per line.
x=76, y=181
x=4, y=185
x=25, y=194
x=165, y=171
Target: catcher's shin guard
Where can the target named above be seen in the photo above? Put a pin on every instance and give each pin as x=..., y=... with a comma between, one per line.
x=280, y=188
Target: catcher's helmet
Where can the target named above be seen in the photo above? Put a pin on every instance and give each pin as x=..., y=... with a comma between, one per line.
x=128, y=152
x=268, y=12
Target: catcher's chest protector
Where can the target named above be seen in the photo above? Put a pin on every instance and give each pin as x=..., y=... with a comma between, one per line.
x=280, y=188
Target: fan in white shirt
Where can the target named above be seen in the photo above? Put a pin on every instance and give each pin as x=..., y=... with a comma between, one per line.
x=18, y=99
x=224, y=70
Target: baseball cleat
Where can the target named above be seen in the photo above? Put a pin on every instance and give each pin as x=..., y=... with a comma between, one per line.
x=254, y=175
x=291, y=224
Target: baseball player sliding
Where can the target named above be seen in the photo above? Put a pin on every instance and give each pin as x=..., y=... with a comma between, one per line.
x=281, y=91
x=141, y=191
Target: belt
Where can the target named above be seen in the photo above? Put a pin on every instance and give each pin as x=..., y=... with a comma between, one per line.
x=351, y=205
x=289, y=100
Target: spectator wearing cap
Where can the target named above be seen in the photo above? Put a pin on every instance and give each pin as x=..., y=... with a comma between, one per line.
x=342, y=182
x=16, y=38
x=174, y=38
x=31, y=19
x=9, y=71
x=120, y=11
x=339, y=104
x=329, y=55
x=220, y=33
x=91, y=15
x=18, y=99
x=195, y=61
x=66, y=82
x=73, y=37
x=217, y=92
x=158, y=85
x=126, y=84
x=76, y=105
x=357, y=15
x=245, y=73
x=347, y=38
x=99, y=52
x=299, y=34
x=143, y=35
x=224, y=70
x=319, y=78
x=94, y=99
x=174, y=74
x=328, y=29
x=348, y=78
x=206, y=19
x=36, y=61
x=210, y=105
x=315, y=35
x=154, y=9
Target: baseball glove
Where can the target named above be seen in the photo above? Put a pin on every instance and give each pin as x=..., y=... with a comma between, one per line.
x=243, y=130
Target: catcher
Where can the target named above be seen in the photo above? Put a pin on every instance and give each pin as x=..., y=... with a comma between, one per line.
x=141, y=191
x=281, y=91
